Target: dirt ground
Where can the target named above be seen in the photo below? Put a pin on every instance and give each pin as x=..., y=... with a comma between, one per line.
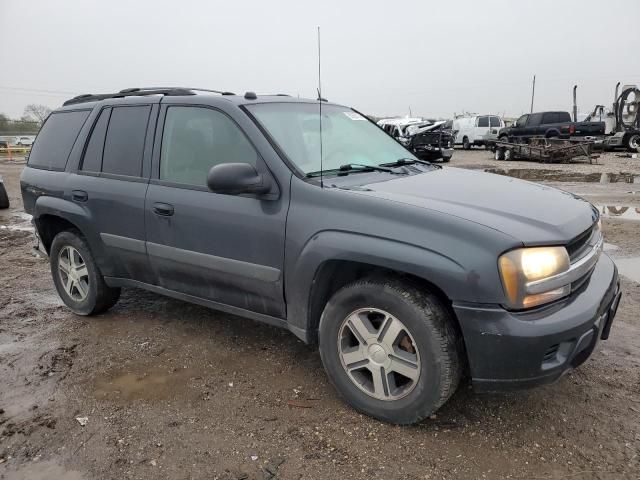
x=172, y=390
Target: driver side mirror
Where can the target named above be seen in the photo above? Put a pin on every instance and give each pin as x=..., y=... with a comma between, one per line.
x=236, y=179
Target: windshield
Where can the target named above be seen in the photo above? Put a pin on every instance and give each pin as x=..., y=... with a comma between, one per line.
x=347, y=136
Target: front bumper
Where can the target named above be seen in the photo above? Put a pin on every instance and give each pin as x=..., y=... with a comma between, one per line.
x=433, y=153
x=514, y=350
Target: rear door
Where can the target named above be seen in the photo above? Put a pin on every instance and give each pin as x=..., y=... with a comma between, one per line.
x=495, y=124
x=482, y=128
x=223, y=248
x=534, y=125
x=111, y=184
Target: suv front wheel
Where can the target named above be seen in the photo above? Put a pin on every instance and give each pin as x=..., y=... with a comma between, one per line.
x=76, y=276
x=390, y=349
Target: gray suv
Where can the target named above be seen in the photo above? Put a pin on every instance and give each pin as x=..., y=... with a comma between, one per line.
x=306, y=215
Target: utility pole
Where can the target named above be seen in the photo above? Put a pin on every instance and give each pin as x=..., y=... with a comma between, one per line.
x=533, y=92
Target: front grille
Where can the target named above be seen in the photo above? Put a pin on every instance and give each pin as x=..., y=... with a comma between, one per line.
x=583, y=243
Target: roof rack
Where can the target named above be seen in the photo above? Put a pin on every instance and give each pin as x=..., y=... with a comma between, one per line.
x=137, y=92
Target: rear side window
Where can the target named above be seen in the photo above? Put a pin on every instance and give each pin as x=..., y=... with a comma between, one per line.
x=195, y=139
x=93, y=154
x=56, y=139
x=535, y=119
x=483, y=121
x=495, y=121
x=124, y=143
x=552, y=117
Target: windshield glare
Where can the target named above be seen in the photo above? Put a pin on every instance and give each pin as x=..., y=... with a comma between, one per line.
x=347, y=136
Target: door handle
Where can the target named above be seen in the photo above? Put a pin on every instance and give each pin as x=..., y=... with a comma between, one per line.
x=79, y=195
x=163, y=209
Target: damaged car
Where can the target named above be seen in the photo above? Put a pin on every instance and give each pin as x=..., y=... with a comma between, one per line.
x=433, y=141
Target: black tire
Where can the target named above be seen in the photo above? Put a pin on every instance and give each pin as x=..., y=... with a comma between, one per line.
x=100, y=296
x=466, y=144
x=446, y=159
x=4, y=198
x=508, y=155
x=633, y=143
x=499, y=154
x=430, y=325
x=552, y=135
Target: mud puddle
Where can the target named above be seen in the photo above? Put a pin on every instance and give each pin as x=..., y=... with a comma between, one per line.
x=43, y=471
x=156, y=384
x=16, y=222
x=542, y=175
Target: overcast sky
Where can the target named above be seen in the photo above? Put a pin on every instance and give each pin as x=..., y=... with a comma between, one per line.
x=382, y=57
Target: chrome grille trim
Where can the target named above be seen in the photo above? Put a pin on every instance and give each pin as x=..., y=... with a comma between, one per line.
x=577, y=270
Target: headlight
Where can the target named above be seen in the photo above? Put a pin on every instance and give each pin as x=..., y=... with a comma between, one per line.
x=524, y=267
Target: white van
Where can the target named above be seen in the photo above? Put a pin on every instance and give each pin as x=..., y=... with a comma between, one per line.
x=472, y=130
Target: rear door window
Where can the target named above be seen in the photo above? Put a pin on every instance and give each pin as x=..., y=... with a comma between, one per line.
x=56, y=138
x=483, y=121
x=93, y=154
x=124, y=143
x=534, y=119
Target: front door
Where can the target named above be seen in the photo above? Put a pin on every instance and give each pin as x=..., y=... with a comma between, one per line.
x=223, y=248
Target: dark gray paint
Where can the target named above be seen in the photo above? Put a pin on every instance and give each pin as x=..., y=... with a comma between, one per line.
x=447, y=226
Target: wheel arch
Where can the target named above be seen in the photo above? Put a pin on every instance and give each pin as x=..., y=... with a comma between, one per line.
x=50, y=225
x=552, y=133
x=334, y=259
x=53, y=215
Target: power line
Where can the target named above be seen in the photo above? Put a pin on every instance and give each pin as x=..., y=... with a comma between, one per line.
x=37, y=90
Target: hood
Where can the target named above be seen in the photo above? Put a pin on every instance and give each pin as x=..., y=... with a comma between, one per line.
x=529, y=212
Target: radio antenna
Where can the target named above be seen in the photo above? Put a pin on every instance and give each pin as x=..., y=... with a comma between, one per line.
x=320, y=109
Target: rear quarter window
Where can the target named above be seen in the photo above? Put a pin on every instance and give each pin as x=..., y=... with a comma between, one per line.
x=56, y=138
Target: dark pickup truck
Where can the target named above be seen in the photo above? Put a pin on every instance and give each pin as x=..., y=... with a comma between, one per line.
x=550, y=125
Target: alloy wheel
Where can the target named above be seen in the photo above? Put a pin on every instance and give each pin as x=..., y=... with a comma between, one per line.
x=73, y=273
x=379, y=354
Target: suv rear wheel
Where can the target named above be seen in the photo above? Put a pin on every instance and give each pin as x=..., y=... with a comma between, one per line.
x=390, y=350
x=76, y=276
x=466, y=144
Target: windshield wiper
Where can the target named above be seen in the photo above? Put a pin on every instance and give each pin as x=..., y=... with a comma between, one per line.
x=406, y=161
x=353, y=168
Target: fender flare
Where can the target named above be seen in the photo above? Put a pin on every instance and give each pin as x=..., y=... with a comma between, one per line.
x=74, y=214
x=330, y=245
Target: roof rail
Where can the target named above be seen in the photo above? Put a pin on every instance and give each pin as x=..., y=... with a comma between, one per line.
x=221, y=92
x=129, y=92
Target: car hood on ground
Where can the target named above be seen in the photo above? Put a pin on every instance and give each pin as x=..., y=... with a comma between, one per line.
x=529, y=212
